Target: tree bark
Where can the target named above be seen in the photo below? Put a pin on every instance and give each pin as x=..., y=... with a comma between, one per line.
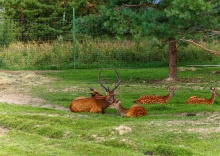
x=172, y=59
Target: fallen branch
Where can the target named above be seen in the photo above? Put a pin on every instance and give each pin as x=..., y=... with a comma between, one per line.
x=215, y=32
x=210, y=51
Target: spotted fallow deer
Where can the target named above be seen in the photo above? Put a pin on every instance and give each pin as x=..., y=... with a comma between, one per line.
x=98, y=104
x=196, y=100
x=156, y=99
x=134, y=111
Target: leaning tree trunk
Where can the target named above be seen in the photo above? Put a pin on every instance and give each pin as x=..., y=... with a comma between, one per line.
x=172, y=60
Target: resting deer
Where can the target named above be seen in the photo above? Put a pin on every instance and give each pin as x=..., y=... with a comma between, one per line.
x=94, y=94
x=153, y=99
x=196, y=100
x=135, y=111
x=95, y=105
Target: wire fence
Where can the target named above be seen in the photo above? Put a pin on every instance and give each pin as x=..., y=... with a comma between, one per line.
x=37, y=43
x=41, y=43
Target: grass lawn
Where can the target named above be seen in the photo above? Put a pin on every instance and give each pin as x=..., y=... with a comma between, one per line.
x=166, y=130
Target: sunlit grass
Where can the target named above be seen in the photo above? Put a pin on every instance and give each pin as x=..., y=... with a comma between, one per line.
x=89, y=54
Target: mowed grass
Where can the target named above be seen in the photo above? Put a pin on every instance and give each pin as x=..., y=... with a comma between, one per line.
x=166, y=130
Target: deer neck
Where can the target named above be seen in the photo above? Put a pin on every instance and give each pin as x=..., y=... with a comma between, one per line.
x=167, y=97
x=212, y=98
x=121, y=110
x=103, y=101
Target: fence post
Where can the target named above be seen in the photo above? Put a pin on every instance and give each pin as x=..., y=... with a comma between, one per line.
x=74, y=39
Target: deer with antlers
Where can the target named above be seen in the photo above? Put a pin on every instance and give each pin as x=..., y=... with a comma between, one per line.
x=196, y=100
x=97, y=104
x=156, y=99
x=135, y=111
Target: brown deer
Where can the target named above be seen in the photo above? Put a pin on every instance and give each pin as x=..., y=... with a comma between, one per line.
x=94, y=94
x=135, y=111
x=156, y=99
x=196, y=100
x=98, y=104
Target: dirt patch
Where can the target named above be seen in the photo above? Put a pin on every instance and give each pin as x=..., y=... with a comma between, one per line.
x=3, y=131
x=187, y=69
x=15, y=87
x=123, y=129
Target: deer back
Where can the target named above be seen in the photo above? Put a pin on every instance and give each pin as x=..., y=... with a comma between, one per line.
x=89, y=105
x=153, y=99
x=135, y=111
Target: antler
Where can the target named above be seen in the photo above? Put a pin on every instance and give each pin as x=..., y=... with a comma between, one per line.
x=100, y=82
x=107, y=89
x=119, y=80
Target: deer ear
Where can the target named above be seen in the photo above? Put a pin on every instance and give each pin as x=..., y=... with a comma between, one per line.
x=212, y=89
x=168, y=88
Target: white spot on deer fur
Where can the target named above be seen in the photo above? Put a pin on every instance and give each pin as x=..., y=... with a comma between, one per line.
x=123, y=129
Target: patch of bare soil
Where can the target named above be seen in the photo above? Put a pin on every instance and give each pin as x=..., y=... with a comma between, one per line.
x=3, y=131
x=123, y=129
x=15, y=87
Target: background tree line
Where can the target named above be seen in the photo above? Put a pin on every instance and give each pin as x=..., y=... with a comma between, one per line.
x=170, y=22
x=161, y=18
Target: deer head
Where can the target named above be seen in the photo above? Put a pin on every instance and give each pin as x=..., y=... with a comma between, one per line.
x=213, y=90
x=110, y=93
x=171, y=90
x=95, y=93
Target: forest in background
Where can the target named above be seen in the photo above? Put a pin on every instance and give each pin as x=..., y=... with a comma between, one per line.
x=124, y=33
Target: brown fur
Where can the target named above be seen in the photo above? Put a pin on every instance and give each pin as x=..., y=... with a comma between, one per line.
x=153, y=99
x=93, y=105
x=97, y=103
x=196, y=100
x=135, y=111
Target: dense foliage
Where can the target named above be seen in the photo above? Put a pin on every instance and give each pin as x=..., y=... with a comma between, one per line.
x=161, y=18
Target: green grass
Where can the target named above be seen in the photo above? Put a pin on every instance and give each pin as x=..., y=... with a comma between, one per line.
x=166, y=130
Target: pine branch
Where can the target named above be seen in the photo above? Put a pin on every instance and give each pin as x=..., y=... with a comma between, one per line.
x=210, y=51
x=137, y=5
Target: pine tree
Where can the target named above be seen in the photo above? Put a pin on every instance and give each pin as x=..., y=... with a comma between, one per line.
x=166, y=20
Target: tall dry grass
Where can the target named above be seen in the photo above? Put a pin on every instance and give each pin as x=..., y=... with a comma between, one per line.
x=97, y=53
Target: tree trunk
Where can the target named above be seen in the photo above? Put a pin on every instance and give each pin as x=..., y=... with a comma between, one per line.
x=172, y=60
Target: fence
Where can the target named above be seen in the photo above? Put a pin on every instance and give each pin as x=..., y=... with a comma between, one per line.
x=52, y=44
